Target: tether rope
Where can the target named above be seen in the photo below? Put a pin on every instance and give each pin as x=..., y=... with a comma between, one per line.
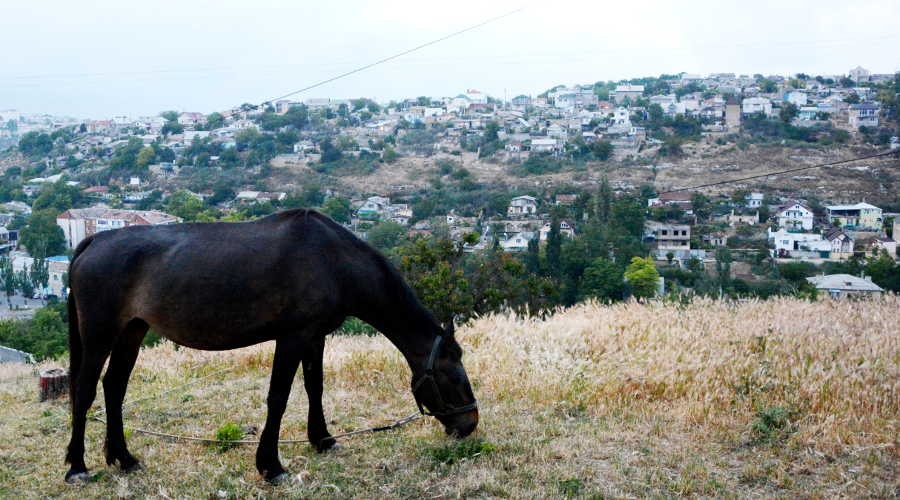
x=180, y=437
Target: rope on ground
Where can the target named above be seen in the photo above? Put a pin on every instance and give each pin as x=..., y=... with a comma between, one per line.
x=177, y=437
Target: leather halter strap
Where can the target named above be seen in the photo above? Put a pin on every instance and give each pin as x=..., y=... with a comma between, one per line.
x=443, y=408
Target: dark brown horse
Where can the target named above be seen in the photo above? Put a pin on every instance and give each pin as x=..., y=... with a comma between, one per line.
x=292, y=277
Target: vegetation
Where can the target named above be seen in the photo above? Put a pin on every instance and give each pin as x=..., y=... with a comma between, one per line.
x=776, y=398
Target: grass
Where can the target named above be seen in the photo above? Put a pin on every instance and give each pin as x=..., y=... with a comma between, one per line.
x=781, y=398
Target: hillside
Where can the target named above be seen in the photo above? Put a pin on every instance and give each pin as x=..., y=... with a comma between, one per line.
x=761, y=399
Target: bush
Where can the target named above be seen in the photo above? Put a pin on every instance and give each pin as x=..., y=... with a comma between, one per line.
x=45, y=336
x=227, y=435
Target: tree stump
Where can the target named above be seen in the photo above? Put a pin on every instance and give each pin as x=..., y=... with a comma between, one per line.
x=54, y=383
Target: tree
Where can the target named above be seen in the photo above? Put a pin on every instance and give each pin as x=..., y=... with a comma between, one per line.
x=852, y=98
x=330, y=153
x=39, y=275
x=172, y=127
x=642, y=276
x=170, y=116
x=338, y=208
x=602, y=150
x=214, y=120
x=602, y=279
x=788, y=112
x=389, y=154
x=42, y=237
x=144, y=158
x=23, y=280
x=185, y=205
x=554, y=248
x=8, y=278
x=59, y=197
x=386, y=235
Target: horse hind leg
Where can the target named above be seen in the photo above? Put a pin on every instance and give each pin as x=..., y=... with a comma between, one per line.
x=94, y=354
x=115, y=382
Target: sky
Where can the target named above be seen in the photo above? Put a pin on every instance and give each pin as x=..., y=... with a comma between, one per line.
x=102, y=58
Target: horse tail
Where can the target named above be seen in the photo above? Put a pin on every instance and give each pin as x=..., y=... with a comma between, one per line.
x=74, y=349
x=75, y=346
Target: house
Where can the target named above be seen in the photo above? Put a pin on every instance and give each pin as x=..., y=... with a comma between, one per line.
x=373, y=208
x=259, y=196
x=79, y=223
x=753, y=105
x=400, y=213
x=10, y=355
x=841, y=243
x=566, y=199
x=786, y=242
x=518, y=242
x=544, y=145
x=522, y=206
x=565, y=228
x=57, y=268
x=864, y=114
x=681, y=199
x=885, y=244
x=667, y=237
x=796, y=97
x=839, y=286
x=740, y=217
x=860, y=74
x=753, y=200
x=794, y=216
x=861, y=216
x=627, y=91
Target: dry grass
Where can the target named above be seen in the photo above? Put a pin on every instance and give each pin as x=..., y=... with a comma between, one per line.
x=781, y=398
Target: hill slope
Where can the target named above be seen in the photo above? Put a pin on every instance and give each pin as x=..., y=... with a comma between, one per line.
x=777, y=398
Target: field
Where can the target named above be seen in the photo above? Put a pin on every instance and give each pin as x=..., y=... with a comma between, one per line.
x=782, y=398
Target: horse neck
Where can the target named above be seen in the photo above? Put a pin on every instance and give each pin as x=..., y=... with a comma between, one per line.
x=392, y=307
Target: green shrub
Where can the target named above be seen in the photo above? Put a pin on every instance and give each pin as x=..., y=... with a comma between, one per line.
x=227, y=435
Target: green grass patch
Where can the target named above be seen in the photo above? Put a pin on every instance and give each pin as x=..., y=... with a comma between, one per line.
x=455, y=452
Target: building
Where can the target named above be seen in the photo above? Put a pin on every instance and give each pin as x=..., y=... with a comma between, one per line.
x=860, y=74
x=786, y=242
x=517, y=242
x=627, y=91
x=860, y=216
x=373, y=208
x=79, y=223
x=754, y=200
x=796, y=97
x=839, y=286
x=522, y=206
x=794, y=216
x=864, y=114
x=841, y=243
x=565, y=229
x=752, y=105
x=668, y=237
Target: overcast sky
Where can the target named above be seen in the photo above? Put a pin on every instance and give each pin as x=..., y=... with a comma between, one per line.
x=102, y=58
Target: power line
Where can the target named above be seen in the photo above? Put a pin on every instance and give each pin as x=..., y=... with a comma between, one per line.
x=389, y=58
x=779, y=172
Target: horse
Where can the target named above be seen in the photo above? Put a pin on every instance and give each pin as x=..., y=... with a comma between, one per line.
x=292, y=277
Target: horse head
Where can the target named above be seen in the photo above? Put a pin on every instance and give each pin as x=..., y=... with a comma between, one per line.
x=441, y=387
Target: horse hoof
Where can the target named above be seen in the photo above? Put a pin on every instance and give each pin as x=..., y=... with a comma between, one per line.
x=78, y=478
x=136, y=466
x=282, y=478
x=327, y=444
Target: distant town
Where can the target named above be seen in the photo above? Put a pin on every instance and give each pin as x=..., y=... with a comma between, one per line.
x=486, y=174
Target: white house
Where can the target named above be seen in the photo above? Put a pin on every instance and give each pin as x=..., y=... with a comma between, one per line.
x=517, y=242
x=859, y=216
x=522, y=205
x=795, y=217
x=544, y=145
x=753, y=105
x=796, y=97
x=864, y=114
x=565, y=229
x=754, y=200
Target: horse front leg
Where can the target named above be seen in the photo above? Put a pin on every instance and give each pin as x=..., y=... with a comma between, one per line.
x=284, y=368
x=313, y=375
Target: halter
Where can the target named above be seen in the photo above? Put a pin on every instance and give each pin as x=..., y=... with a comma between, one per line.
x=443, y=410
